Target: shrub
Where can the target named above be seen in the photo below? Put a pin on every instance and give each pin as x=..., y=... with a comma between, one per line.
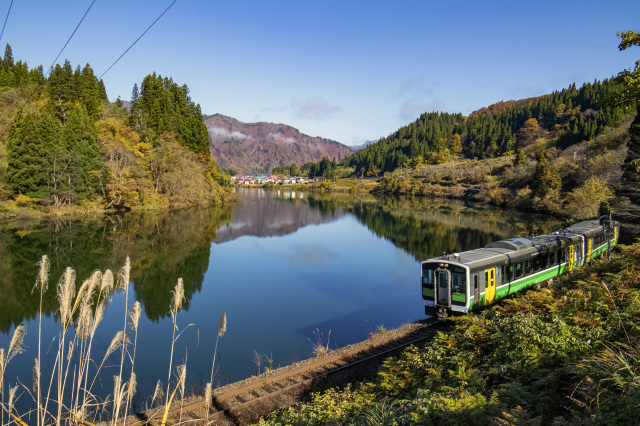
x=583, y=202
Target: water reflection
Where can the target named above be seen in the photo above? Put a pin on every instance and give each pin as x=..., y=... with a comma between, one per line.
x=167, y=245
x=163, y=246
x=282, y=264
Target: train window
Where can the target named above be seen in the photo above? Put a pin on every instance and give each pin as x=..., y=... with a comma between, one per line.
x=428, y=275
x=505, y=276
x=563, y=256
x=519, y=270
x=459, y=280
x=528, y=266
x=536, y=263
x=510, y=272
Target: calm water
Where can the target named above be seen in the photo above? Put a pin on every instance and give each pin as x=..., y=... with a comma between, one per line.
x=282, y=265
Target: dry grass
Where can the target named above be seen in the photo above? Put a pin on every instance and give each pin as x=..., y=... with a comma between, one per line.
x=319, y=347
x=80, y=312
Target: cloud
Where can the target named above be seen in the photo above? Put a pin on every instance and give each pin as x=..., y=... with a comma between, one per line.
x=411, y=109
x=417, y=87
x=311, y=256
x=278, y=137
x=417, y=95
x=219, y=132
x=313, y=108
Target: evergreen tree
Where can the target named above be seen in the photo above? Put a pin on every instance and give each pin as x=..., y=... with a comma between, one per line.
x=86, y=171
x=26, y=157
x=546, y=179
x=165, y=107
x=135, y=94
x=7, y=61
x=520, y=157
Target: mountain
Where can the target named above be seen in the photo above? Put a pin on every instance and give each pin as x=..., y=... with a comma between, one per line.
x=357, y=148
x=259, y=147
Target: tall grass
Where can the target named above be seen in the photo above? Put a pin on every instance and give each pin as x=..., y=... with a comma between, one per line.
x=68, y=397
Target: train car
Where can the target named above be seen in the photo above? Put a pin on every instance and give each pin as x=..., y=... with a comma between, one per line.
x=460, y=282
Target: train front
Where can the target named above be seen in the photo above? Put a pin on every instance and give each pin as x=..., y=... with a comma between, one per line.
x=444, y=287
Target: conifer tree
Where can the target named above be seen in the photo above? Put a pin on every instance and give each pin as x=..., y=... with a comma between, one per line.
x=7, y=61
x=86, y=171
x=546, y=179
x=135, y=94
x=26, y=162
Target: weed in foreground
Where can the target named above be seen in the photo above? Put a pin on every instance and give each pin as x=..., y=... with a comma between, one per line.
x=68, y=397
x=319, y=347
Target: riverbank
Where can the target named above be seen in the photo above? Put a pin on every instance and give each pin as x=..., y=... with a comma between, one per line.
x=26, y=210
x=566, y=354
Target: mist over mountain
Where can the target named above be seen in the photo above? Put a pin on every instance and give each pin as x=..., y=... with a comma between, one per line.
x=259, y=147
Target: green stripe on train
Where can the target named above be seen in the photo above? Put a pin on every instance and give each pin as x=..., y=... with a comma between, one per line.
x=428, y=292
x=459, y=297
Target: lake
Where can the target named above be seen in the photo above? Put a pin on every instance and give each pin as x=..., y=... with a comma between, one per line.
x=287, y=267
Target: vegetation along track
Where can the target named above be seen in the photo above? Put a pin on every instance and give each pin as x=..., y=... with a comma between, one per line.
x=246, y=401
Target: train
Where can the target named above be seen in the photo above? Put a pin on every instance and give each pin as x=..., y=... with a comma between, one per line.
x=461, y=282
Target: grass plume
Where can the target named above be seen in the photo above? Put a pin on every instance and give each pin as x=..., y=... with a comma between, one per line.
x=319, y=348
x=222, y=328
x=80, y=312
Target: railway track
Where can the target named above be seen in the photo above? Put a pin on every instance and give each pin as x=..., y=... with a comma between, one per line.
x=245, y=402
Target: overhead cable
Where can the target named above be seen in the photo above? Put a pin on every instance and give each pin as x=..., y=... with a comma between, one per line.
x=145, y=31
x=65, y=45
x=6, y=19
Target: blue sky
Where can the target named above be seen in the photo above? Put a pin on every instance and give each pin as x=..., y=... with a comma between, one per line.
x=345, y=70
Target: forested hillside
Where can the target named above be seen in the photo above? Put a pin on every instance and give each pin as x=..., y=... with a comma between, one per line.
x=63, y=144
x=568, y=116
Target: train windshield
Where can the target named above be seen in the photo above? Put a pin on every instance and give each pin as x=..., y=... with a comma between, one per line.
x=459, y=280
x=429, y=274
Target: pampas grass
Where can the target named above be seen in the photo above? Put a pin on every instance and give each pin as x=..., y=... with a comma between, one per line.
x=176, y=305
x=81, y=310
x=42, y=284
x=158, y=393
x=222, y=328
x=208, y=394
x=15, y=347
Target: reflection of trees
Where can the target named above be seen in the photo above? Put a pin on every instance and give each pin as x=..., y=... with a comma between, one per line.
x=163, y=247
x=426, y=228
x=76, y=244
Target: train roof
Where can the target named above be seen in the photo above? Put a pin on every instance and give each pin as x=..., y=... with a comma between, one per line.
x=523, y=248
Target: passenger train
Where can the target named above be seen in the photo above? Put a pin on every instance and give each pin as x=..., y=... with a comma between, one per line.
x=461, y=282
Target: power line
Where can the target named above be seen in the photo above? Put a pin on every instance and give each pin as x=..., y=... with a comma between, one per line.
x=6, y=19
x=65, y=45
x=145, y=31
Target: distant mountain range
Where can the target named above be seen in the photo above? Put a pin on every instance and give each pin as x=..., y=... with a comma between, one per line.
x=259, y=147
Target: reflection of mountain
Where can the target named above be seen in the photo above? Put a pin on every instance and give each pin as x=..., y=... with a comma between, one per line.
x=271, y=213
x=163, y=246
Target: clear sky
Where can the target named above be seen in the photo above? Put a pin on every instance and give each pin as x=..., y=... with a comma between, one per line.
x=348, y=70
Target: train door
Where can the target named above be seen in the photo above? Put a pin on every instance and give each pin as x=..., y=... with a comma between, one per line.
x=490, y=289
x=476, y=290
x=572, y=257
x=589, y=249
x=443, y=296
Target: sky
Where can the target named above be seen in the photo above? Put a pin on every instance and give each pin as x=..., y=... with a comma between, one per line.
x=347, y=70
